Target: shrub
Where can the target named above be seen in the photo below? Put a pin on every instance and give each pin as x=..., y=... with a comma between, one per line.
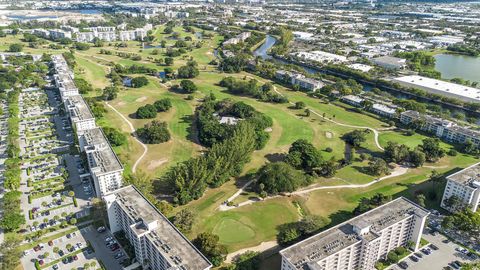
x=154, y=132
x=147, y=111
x=163, y=105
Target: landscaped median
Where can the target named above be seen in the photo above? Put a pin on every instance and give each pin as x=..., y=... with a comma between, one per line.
x=38, y=266
x=393, y=257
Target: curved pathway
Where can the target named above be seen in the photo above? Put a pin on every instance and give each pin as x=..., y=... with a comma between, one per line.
x=375, y=132
x=132, y=130
x=399, y=170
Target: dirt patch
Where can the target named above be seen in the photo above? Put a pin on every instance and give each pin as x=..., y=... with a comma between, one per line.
x=269, y=129
x=141, y=99
x=121, y=103
x=153, y=164
x=329, y=135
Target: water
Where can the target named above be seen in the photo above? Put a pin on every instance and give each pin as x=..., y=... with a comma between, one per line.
x=262, y=51
x=458, y=66
x=39, y=16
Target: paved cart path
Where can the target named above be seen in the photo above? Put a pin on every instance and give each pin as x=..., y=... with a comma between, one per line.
x=132, y=130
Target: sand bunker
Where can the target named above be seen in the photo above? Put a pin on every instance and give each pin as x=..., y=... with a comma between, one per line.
x=153, y=164
x=329, y=135
x=141, y=99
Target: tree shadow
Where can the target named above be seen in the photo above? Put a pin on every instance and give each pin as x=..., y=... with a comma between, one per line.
x=275, y=157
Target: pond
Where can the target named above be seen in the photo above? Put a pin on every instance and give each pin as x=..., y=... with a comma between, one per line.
x=458, y=66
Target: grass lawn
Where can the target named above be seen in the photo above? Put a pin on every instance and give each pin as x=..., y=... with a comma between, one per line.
x=249, y=225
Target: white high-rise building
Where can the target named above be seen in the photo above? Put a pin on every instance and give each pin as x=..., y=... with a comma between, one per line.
x=465, y=185
x=360, y=242
x=105, y=167
x=158, y=244
x=80, y=115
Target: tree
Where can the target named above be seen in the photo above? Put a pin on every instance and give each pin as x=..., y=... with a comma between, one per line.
x=377, y=166
x=98, y=42
x=287, y=235
x=416, y=157
x=435, y=177
x=208, y=244
x=367, y=204
x=46, y=254
x=307, y=112
x=110, y=93
x=249, y=260
x=146, y=112
x=114, y=136
x=154, y=132
x=356, y=137
x=395, y=152
x=420, y=198
x=183, y=220
x=163, y=105
x=11, y=221
x=432, y=149
x=281, y=177
x=11, y=252
x=299, y=105
x=188, y=86
x=138, y=82
x=168, y=61
x=71, y=193
x=69, y=247
x=82, y=46
x=15, y=47
x=188, y=72
x=303, y=155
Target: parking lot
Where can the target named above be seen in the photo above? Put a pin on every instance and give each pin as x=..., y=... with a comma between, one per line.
x=72, y=251
x=447, y=253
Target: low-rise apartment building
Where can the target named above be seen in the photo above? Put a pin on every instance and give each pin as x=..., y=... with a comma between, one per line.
x=361, y=241
x=298, y=79
x=447, y=130
x=465, y=186
x=157, y=243
x=239, y=38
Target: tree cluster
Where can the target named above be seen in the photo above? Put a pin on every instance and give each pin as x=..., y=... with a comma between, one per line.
x=114, y=136
x=290, y=233
x=223, y=160
x=208, y=244
x=400, y=153
x=138, y=82
x=251, y=88
x=211, y=131
x=367, y=204
x=150, y=111
x=154, y=132
x=188, y=71
x=302, y=155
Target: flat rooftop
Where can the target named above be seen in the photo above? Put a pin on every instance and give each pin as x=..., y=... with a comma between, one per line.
x=94, y=136
x=78, y=108
x=170, y=242
x=102, y=157
x=467, y=176
x=441, y=86
x=328, y=242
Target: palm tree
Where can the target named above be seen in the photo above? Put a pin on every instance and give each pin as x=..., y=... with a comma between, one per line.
x=435, y=177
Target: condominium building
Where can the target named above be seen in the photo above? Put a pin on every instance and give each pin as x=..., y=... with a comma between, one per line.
x=80, y=114
x=105, y=167
x=464, y=185
x=359, y=242
x=157, y=243
x=59, y=33
x=298, y=79
x=239, y=38
x=447, y=130
x=85, y=36
x=63, y=77
x=106, y=36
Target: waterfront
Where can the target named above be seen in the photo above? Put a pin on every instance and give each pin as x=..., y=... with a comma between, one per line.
x=458, y=66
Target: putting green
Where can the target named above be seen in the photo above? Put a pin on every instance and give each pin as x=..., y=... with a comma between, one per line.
x=233, y=231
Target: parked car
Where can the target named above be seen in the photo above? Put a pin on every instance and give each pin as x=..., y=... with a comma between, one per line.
x=75, y=257
x=101, y=229
x=434, y=247
x=119, y=255
x=41, y=262
x=55, y=267
x=414, y=258
x=50, y=243
x=418, y=254
x=403, y=265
